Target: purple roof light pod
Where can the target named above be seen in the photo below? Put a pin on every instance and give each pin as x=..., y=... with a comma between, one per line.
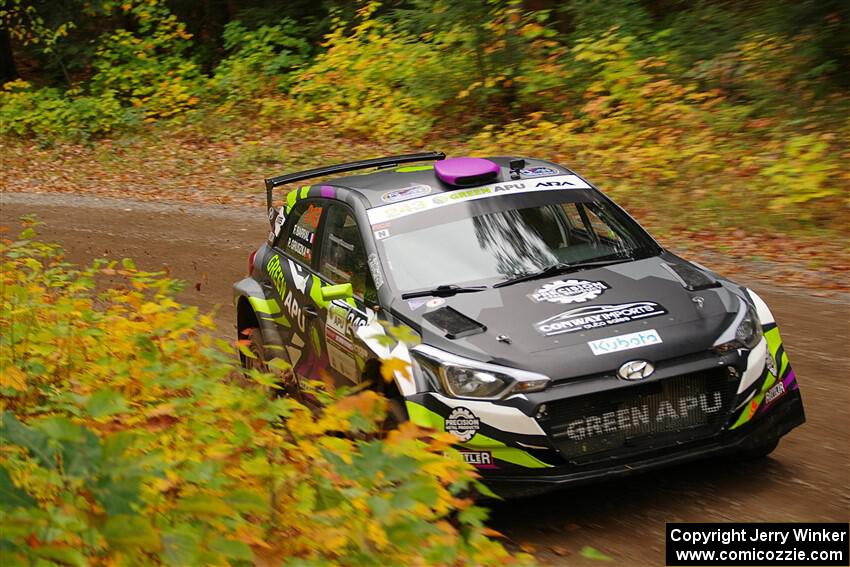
x=466, y=171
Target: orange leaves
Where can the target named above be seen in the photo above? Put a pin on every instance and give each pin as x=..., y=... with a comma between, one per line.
x=390, y=367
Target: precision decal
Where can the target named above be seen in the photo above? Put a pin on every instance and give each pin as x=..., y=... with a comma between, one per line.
x=406, y=193
x=569, y=291
x=597, y=316
x=640, y=419
x=625, y=342
x=462, y=423
x=385, y=213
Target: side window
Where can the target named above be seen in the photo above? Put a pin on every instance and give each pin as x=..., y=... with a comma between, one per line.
x=343, y=258
x=298, y=238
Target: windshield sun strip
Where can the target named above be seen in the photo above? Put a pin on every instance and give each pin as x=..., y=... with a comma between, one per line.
x=393, y=211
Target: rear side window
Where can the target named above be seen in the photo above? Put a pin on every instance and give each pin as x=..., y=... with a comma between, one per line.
x=300, y=237
x=343, y=258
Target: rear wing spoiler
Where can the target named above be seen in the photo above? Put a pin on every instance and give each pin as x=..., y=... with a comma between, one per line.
x=389, y=161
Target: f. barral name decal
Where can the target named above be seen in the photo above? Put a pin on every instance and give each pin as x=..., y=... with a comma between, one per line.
x=569, y=291
x=463, y=424
x=625, y=342
x=388, y=212
x=597, y=316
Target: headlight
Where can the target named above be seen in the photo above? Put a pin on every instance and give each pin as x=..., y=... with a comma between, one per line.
x=466, y=378
x=745, y=331
x=748, y=332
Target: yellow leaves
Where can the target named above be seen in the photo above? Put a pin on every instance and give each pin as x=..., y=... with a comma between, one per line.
x=12, y=377
x=390, y=367
x=377, y=534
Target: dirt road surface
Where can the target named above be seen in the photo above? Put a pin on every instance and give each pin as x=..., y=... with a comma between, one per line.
x=806, y=479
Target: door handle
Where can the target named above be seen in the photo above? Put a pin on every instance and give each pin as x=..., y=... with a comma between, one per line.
x=311, y=311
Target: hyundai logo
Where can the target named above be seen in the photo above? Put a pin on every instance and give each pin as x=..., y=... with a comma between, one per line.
x=636, y=370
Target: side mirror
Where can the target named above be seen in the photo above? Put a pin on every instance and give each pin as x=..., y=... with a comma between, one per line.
x=340, y=291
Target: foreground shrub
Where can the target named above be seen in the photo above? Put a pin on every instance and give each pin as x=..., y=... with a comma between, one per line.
x=127, y=441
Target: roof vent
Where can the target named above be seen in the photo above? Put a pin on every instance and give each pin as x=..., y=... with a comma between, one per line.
x=466, y=171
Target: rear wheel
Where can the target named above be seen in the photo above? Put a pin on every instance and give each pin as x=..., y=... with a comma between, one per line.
x=286, y=378
x=257, y=347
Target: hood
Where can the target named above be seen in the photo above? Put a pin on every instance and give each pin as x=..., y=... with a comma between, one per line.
x=585, y=322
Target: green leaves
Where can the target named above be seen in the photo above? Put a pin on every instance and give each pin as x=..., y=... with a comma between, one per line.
x=105, y=403
x=11, y=495
x=130, y=532
x=593, y=553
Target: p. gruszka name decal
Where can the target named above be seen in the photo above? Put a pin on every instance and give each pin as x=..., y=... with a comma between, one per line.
x=569, y=291
x=598, y=316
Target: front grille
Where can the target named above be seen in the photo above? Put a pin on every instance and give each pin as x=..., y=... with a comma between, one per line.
x=640, y=417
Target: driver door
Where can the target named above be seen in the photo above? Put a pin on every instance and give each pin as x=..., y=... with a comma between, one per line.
x=343, y=260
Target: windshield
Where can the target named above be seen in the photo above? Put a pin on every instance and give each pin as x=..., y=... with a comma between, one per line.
x=499, y=238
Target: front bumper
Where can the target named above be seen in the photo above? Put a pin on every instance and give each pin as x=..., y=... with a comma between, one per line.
x=784, y=416
x=518, y=445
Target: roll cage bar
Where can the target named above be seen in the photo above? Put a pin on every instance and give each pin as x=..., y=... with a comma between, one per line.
x=388, y=161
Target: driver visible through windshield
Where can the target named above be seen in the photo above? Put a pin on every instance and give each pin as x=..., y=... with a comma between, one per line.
x=498, y=239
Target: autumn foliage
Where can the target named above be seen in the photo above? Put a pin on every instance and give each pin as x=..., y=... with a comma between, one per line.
x=729, y=109
x=131, y=438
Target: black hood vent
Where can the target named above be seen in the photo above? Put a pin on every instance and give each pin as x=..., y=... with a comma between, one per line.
x=692, y=278
x=456, y=324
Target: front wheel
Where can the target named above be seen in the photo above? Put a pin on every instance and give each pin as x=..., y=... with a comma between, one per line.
x=759, y=451
x=396, y=414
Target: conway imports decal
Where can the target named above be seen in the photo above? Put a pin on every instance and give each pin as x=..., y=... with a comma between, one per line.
x=386, y=213
x=568, y=291
x=598, y=316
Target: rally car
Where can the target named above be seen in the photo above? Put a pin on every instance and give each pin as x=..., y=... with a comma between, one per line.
x=559, y=342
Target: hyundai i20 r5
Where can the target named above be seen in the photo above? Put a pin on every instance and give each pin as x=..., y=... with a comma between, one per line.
x=560, y=343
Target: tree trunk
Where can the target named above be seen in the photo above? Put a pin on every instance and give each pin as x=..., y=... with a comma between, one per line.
x=8, y=71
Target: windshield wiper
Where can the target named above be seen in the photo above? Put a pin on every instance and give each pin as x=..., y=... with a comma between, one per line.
x=443, y=291
x=562, y=268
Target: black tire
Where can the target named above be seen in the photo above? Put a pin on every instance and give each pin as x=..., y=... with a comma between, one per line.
x=287, y=379
x=396, y=414
x=759, y=451
x=257, y=347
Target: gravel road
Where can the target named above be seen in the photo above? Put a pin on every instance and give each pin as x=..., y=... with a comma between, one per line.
x=806, y=479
